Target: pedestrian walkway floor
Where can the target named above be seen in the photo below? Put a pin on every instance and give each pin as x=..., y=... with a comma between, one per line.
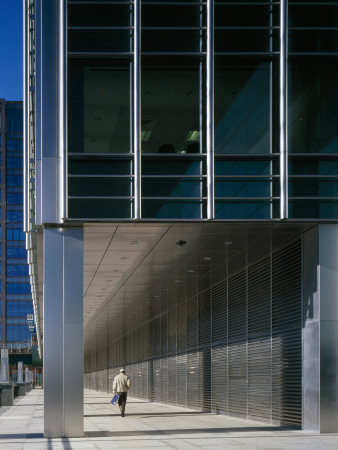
x=149, y=425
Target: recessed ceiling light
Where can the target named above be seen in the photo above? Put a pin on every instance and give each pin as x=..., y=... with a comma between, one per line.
x=133, y=242
x=228, y=242
x=191, y=271
x=207, y=258
x=123, y=257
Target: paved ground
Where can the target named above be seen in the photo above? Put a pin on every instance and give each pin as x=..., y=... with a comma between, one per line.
x=149, y=426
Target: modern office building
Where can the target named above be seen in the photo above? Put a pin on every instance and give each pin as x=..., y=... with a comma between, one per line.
x=15, y=291
x=181, y=192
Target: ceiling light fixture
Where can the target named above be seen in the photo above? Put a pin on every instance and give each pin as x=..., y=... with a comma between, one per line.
x=207, y=258
x=133, y=242
x=228, y=242
x=123, y=257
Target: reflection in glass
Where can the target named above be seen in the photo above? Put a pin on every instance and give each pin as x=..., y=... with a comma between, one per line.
x=170, y=99
x=99, y=106
x=313, y=108
x=242, y=108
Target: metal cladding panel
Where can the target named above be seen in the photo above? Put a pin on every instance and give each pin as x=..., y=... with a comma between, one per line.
x=259, y=340
x=234, y=349
x=237, y=345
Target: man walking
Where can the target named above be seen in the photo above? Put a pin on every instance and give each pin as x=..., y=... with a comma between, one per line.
x=121, y=386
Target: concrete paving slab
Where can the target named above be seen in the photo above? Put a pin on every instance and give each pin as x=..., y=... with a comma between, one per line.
x=149, y=425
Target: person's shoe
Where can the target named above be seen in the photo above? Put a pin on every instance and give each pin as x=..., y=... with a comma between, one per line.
x=122, y=414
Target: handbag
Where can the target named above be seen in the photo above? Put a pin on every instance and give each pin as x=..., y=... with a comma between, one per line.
x=114, y=399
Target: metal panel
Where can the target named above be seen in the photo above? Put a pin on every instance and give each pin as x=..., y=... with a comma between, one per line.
x=234, y=349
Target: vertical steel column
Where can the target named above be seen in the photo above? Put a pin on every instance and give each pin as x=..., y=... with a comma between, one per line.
x=62, y=109
x=25, y=117
x=210, y=111
x=137, y=109
x=283, y=141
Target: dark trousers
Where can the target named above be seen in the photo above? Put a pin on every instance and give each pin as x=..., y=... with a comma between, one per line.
x=122, y=401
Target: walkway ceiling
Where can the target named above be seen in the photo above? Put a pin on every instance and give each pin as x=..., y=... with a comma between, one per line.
x=133, y=272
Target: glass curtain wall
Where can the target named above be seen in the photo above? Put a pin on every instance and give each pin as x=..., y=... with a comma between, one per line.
x=246, y=87
x=137, y=117
x=173, y=47
x=313, y=109
x=100, y=55
x=18, y=292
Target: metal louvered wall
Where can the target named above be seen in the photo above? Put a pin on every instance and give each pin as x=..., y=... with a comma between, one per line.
x=235, y=349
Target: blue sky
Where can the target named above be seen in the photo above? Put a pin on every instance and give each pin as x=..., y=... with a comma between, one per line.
x=11, y=49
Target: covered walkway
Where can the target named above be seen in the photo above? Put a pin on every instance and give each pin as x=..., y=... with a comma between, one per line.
x=148, y=425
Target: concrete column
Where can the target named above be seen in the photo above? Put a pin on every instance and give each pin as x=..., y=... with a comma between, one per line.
x=27, y=375
x=4, y=369
x=20, y=373
x=63, y=332
x=320, y=329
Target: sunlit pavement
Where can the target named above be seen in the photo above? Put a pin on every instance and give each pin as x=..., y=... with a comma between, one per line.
x=148, y=425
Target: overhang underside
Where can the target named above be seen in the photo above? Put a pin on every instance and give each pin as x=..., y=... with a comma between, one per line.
x=135, y=272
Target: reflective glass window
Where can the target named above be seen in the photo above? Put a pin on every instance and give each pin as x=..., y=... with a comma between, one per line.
x=17, y=333
x=14, y=216
x=15, y=180
x=19, y=309
x=313, y=107
x=14, y=145
x=14, y=119
x=99, y=106
x=14, y=198
x=242, y=107
x=171, y=116
x=14, y=163
x=17, y=270
x=18, y=288
x=16, y=252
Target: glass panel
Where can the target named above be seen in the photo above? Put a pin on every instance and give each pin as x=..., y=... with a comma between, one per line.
x=113, y=187
x=242, y=188
x=99, y=41
x=171, y=167
x=238, y=167
x=313, y=188
x=159, y=187
x=99, y=15
x=313, y=167
x=160, y=209
x=313, y=108
x=165, y=15
x=99, y=166
x=171, y=106
x=99, y=106
x=100, y=208
x=175, y=40
x=316, y=41
x=313, y=15
x=244, y=210
x=313, y=209
x=245, y=15
x=244, y=40
x=242, y=108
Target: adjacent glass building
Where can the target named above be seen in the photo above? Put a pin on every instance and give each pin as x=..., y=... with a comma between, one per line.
x=181, y=191
x=16, y=298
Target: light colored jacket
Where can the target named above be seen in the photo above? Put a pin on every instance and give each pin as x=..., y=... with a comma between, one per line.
x=121, y=383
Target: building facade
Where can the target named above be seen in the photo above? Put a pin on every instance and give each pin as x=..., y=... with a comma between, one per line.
x=16, y=298
x=181, y=204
